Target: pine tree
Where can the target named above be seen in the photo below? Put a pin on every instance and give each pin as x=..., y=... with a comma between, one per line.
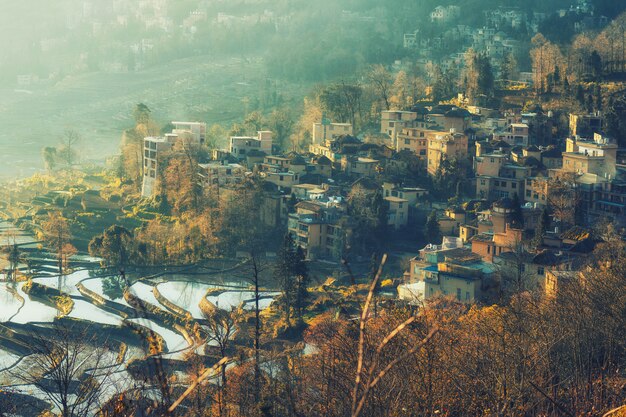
x=433, y=233
x=517, y=218
x=284, y=271
x=542, y=227
x=302, y=279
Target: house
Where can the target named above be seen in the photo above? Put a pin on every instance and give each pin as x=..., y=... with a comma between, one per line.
x=597, y=156
x=450, y=117
x=489, y=245
x=517, y=134
x=585, y=125
x=196, y=129
x=327, y=131
x=283, y=180
x=335, y=149
x=393, y=121
x=221, y=174
x=451, y=145
x=360, y=166
x=308, y=191
x=240, y=146
x=153, y=150
x=440, y=272
x=497, y=177
x=528, y=270
x=443, y=14
x=398, y=212
x=415, y=140
x=321, y=228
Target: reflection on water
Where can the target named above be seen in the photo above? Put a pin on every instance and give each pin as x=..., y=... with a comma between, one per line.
x=9, y=304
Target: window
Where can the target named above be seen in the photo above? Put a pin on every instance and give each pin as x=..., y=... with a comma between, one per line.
x=496, y=183
x=400, y=205
x=422, y=151
x=527, y=193
x=467, y=296
x=407, y=141
x=458, y=294
x=540, y=270
x=522, y=268
x=483, y=182
x=513, y=185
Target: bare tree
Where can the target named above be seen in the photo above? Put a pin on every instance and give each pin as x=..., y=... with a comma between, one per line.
x=220, y=326
x=381, y=82
x=57, y=234
x=368, y=376
x=72, y=368
x=71, y=138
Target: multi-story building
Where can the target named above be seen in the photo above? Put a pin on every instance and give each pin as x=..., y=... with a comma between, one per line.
x=516, y=134
x=153, y=149
x=415, y=140
x=597, y=156
x=323, y=132
x=240, y=146
x=196, y=129
x=445, y=145
x=221, y=174
x=441, y=271
x=497, y=177
x=398, y=212
x=360, y=166
x=585, y=125
x=393, y=121
x=443, y=14
x=320, y=227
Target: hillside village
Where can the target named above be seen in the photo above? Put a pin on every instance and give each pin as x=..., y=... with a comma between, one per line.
x=511, y=191
x=441, y=233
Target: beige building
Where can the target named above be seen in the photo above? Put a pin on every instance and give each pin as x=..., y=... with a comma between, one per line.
x=319, y=228
x=392, y=122
x=240, y=146
x=153, y=149
x=365, y=167
x=398, y=213
x=445, y=145
x=196, y=129
x=597, y=156
x=221, y=174
x=323, y=132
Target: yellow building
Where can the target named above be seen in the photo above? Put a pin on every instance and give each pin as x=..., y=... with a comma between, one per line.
x=445, y=145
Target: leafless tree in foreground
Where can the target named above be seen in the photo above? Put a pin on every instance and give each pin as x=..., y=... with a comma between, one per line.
x=71, y=367
x=366, y=380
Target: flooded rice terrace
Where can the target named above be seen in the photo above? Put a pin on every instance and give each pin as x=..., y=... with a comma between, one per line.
x=168, y=303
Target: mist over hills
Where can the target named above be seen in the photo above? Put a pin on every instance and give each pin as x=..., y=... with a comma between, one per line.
x=85, y=63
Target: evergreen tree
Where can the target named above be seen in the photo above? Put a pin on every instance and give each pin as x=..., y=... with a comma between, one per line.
x=589, y=103
x=542, y=227
x=284, y=271
x=302, y=279
x=517, y=218
x=598, y=92
x=433, y=233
